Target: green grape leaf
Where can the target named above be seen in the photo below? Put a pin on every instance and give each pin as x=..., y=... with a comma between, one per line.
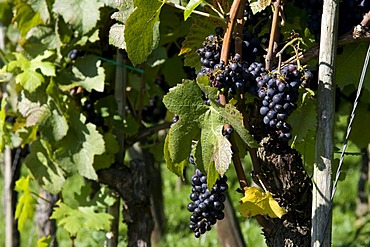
x=256, y=202
x=203, y=83
x=44, y=241
x=41, y=7
x=186, y=101
x=173, y=76
x=360, y=123
x=26, y=18
x=116, y=36
x=43, y=168
x=86, y=72
x=232, y=116
x=172, y=25
x=26, y=203
x=73, y=220
x=304, y=118
x=76, y=151
x=77, y=192
x=142, y=31
x=55, y=127
x=73, y=190
x=82, y=15
x=212, y=176
x=117, y=30
x=190, y=7
x=222, y=154
x=352, y=59
x=29, y=78
x=177, y=168
x=197, y=121
x=199, y=30
x=108, y=157
x=43, y=112
x=211, y=130
x=41, y=38
x=125, y=9
x=5, y=137
x=259, y=5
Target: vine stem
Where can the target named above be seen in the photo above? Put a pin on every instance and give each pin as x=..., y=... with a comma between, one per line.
x=274, y=36
x=177, y=6
x=215, y=10
x=290, y=43
x=223, y=101
x=42, y=198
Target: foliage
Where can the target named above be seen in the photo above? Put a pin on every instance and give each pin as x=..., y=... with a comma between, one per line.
x=25, y=208
x=256, y=202
x=73, y=220
x=48, y=92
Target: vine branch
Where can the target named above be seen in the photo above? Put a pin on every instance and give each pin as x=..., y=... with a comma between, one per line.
x=223, y=101
x=145, y=133
x=274, y=36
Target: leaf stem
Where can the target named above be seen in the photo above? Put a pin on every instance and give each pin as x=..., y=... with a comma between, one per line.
x=290, y=43
x=215, y=10
x=46, y=200
x=177, y=6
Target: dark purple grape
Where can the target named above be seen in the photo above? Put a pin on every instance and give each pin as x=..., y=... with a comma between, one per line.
x=264, y=110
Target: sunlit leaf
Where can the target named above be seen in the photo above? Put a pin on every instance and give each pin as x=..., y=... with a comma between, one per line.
x=142, y=31
x=190, y=7
x=222, y=155
x=26, y=203
x=256, y=202
x=82, y=14
x=73, y=220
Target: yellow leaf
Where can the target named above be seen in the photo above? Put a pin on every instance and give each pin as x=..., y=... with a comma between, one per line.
x=184, y=51
x=256, y=202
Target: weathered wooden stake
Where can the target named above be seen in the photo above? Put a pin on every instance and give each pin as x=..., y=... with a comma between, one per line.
x=321, y=213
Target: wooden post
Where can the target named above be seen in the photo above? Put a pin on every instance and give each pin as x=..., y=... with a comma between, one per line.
x=321, y=212
x=120, y=97
x=228, y=229
x=8, y=200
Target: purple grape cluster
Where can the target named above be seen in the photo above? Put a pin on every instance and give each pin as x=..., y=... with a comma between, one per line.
x=207, y=205
x=210, y=53
x=234, y=77
x=279, y=93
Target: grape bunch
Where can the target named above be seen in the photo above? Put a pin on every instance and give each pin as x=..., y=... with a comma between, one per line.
x=206, y=206
x=234, y=77
x=279, y=93
x=210, y=53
